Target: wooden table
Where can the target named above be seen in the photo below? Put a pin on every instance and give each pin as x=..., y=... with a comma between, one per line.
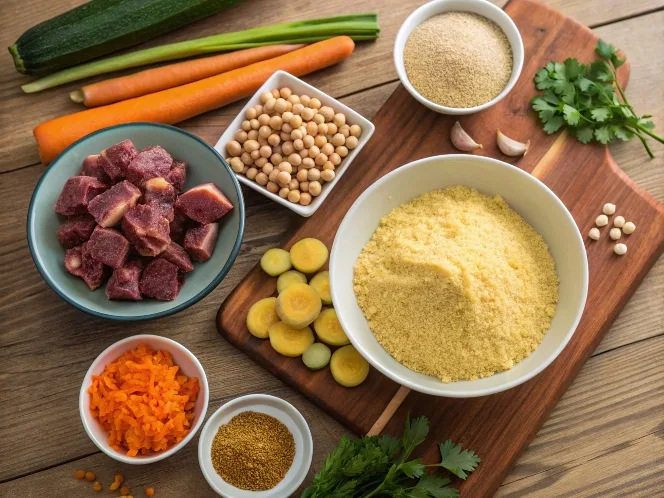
x=606, y=437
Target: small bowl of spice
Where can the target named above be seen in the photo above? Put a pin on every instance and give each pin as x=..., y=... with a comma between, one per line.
x=458, y=56
x=255, y=446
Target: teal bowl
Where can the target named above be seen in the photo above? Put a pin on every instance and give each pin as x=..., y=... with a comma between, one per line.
x=205, y=165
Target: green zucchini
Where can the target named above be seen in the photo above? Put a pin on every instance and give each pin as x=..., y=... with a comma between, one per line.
x=99, y=27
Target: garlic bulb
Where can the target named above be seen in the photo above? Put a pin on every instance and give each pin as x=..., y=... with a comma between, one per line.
x=461, y=140
x=511, y=147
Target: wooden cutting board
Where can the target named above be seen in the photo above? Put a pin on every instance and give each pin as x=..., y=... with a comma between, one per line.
x=497, y=427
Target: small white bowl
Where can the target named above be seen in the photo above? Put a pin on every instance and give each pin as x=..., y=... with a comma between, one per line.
x=277, y=408
x=282, y=79
x=182, y=357
x=529, y=197
x=481, y=7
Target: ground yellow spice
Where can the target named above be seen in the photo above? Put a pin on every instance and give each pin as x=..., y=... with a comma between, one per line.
x=253, y=451
x=457, y=285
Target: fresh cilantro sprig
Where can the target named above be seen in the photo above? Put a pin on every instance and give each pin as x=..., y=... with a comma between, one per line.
x=379, y=466
x=583, y=98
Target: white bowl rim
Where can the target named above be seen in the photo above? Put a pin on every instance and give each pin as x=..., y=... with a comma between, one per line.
x=516, y=51
x=84, y=408
x=443, y=391
x=294, y=413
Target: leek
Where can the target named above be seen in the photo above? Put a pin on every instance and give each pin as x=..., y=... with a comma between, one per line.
x=357, y=26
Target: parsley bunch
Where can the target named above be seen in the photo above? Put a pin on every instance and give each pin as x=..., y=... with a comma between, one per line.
x=583, y=97
x=378, y=466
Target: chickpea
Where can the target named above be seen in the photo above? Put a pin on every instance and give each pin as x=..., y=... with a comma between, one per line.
x=241, y=136
x=234, y=148
x=294, y=196
x=305, y=199
x=293, y=99
x=355, y=130
x=328, y=166
x=247, y=159
x=319, y=119
x=289, y=107
x=288, y=148
x=327, y=175
x=308, y=141
x=313, y=175
x=312, y=128
x=315, y=103
x=308, y=163
x=283, y=193
x=259, y=109
x=267, y=168
x=251, y=113
x=260, y=162
x=265, y=96
x=294, y=184
x=262, y=141
x=276, y=158
x=273, y=175
x=269, y=106
x=297, y=109
x=296, y=135
x=332, y=129
x=285, y=92
x=284, y=178
x=304, y=100
x=298, y=144
x=327, y=112
x=320, y=140
x=264, y=131
x=307, y=113
x=265, y=151
x=261, y=178
x=264, y=120
x=295, y=159
x=341, y=150
x=255, y=154
x=320, y=159
x=284, y=137
x=339, y=119
x=272, y=187
x=296, y=121
x=334, y=158
x=251, y=173
x=275, y=122
x=303, y=129
x=322, y=129
x=304, y=186
x=338, y=139
x=275, y=93
x=254, y=124
x=252, y=135
x=313, y=151
x=286, y=127
x=285, y=166
x=344, y=130
x=351, y=142
x=287, y=117
x=274, y=139
x=236, y=164
x=302, y=175
x=327, y=148
x=246, y=125
x=315, y=188
x=280, y=106
x=244, y=170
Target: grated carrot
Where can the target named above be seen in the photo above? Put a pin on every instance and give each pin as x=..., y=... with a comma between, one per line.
x=142, y=401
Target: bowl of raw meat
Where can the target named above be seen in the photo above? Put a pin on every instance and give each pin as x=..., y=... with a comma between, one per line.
x=136, y=221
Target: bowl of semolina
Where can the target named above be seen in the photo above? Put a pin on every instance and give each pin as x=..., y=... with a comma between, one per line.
x=459, y=275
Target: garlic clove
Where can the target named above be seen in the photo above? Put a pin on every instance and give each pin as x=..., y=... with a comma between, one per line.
x=511, y=147
x=461, y=140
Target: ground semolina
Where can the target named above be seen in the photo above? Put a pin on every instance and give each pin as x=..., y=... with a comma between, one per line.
x=457, y=285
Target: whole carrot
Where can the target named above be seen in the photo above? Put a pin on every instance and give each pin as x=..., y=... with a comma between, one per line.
x=183, y=102
x=172, y=75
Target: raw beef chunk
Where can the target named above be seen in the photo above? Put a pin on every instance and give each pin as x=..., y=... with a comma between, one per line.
x=161, y=195
x=204, y=203
x=80, y=262
x=77, y=194
x=151, y=162
x=147, y=230
x=76, y=230
x=179, y=226
x=160, y=280
x=178, y=175
x=108, y=246
x=109, y=208
x=123, y=284
x=92, y=167
x=199, y=241
x=176, y=254
x=115, y=160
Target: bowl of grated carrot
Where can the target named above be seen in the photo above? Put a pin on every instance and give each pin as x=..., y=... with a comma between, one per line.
x=143, y=399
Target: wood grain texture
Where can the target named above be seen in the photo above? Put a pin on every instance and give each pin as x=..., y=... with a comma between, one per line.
x=498, y=427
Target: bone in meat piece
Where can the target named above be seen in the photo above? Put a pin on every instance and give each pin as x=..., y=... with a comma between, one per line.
x=76, y=230
x=161, y=195
x=160, y=280
x=108, y=246
x=151, y=162
x=123, y=284
x=179, y=226
x=199, y=241
x=80, y=262
x=178, y=175
x=176, y=254
x=115, y=160
x=147, y=230
x=92, y=167
x=109, y=208
x=77, y=194
x=204, y=203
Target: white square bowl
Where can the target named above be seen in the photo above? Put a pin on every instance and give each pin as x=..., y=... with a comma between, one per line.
x=282, y=79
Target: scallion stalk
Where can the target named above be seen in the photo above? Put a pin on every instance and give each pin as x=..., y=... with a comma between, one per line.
x=357, y=26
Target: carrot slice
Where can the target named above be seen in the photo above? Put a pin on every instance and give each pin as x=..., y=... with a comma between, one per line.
x=183, y=102
x=172, y=75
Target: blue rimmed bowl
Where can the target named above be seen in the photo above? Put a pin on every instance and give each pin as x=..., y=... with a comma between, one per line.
x=205, y=165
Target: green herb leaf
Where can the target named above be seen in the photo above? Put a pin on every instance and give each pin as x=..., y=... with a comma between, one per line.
x=542, y=80
x=584, y=84
x=600, y=71
x=573, y=69
x=457, y=460
x=585, y=134
x=413, y=469
x=622, y=133
x=436, y=486
x=604, y=50
x=414, y=434
x=390, y=445
x=600, y=114
x=553, y=124
x=572, y=116
x=603, y=134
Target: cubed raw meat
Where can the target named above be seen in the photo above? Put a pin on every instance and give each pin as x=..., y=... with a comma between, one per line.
x=147, y=230
x=179, y=226
x=109, y=208
x=123, y=284
x=199, y=241
x=160, y=280
x=77, y=194
x=80, y=262
x=115, y=160
x=76, y=230
x=176, y=254
x=92, y=167
x=151, y=162
x=204, y=203
x=178, y=175
x=108, y=246
x=161, y=195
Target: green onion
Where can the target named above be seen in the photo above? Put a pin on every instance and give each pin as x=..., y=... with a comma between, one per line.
x=357, y=26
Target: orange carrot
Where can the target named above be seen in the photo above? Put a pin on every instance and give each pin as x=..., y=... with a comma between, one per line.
x=172, y=75
x=183, y=102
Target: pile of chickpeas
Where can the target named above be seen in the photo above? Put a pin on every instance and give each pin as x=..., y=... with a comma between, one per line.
x=291, y=144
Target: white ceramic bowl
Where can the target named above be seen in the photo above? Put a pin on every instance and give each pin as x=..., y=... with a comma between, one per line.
x=481, y=7
x=282, y=79
x=182, y=357
x=277, y=408
x=529, y=197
